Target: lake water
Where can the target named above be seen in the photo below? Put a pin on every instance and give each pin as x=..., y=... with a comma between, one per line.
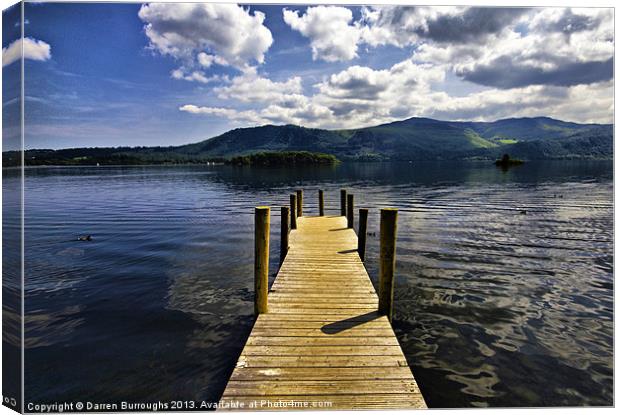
x=504, y=293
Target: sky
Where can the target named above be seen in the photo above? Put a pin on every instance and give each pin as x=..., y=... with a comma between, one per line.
x=172, y=73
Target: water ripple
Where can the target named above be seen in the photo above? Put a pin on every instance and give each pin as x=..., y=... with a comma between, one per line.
x=504, y=295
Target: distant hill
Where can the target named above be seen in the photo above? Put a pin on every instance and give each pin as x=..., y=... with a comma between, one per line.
x=411, y=139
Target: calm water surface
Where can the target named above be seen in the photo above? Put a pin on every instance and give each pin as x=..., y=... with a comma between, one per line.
x=504, y=292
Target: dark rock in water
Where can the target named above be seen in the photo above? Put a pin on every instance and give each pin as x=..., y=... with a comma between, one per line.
x=524, y=212
x=506, y=161
x=85, y=238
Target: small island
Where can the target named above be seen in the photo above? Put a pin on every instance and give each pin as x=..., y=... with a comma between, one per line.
x=284, y=158
x=506, y=161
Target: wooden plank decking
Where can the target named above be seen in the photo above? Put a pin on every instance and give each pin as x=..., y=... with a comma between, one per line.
x=322, y=344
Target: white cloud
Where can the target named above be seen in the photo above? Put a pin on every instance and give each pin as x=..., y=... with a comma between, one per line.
x=231, y=114
x=206, y=61
x=360, y=96
x=303, y=113
x=580, y=103
x=530, y=62
x=492, y=46
x=351, y=98
x=335, y=36
x=365, y=83
x=363, y=96
x=331, y=37
x=547, y=53
x=34, y=49
x=548, y=46
x=187, y=31
x=399, y=25
x=250, y=87
x=197, y=76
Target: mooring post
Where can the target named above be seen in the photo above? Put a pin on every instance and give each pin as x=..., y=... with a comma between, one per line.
x=343, y=202
x=293, y=211
x=321, y=203
x=361, y=234
x=350, y=208
x=284, y=213
x=300, y=202
x=261, y=258
x=387, y=263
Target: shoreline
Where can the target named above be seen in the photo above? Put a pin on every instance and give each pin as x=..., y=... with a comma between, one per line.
x=478, y=161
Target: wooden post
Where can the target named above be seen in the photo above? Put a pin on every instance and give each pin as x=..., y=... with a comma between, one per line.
x=387, y=262
x=321, y=204
x=261, y=258
x=361, y=234
x=284, y=213
x=343, y=202
x=350, y=207
x=300, y=202
x=293, y=211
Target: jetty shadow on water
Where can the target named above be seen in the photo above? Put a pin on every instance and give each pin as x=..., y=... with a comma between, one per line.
x=349, y=323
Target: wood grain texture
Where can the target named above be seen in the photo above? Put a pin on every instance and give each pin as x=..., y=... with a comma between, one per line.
x=284, y=231
x=261, y=258
x=322, y=345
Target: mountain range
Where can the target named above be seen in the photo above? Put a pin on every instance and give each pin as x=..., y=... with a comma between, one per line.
x=410, y=139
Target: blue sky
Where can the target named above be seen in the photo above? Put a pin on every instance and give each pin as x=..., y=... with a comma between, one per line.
x=167, y=74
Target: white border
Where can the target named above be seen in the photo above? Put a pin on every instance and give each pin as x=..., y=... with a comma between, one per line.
x=530, y=3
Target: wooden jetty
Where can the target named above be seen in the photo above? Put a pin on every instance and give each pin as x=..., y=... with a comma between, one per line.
x=322, y=338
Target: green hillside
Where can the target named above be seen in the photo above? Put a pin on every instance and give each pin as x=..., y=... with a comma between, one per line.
x=416, y=138
x=411, y=139
x=243, y=141
x=528, y=129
